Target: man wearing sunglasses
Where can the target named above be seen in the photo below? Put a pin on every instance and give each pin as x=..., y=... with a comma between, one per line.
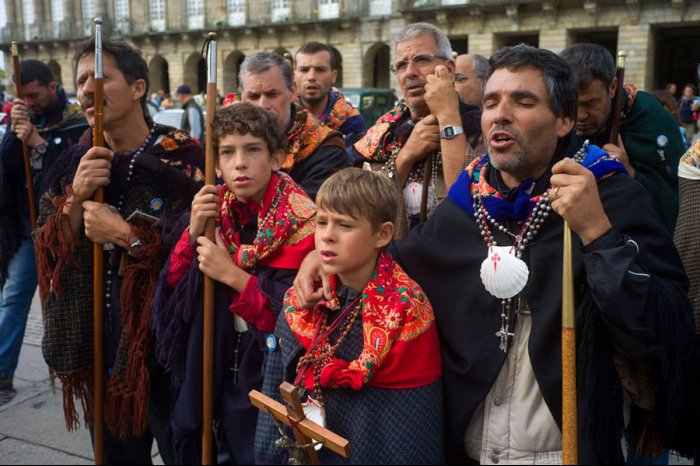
x=429, y=125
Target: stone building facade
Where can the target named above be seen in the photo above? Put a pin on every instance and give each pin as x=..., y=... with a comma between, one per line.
x=661, y=37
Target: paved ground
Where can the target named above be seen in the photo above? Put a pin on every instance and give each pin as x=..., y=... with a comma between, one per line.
x=32, y=429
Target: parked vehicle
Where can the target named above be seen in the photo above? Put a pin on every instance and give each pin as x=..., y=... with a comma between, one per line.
x=372, y=102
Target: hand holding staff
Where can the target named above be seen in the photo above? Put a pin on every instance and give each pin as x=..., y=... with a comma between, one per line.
x=208, y=350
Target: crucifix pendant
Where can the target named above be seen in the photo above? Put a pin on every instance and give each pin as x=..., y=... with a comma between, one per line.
x=503, y=333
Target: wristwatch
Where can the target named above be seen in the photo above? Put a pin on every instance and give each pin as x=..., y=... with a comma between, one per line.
x=451, y=132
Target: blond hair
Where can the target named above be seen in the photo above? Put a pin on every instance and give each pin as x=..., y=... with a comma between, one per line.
x=360, y=194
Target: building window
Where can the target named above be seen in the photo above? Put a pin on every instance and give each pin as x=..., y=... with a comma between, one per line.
x=236, y=12
x=121, y=16
x=88, y=17
x=379, y=7
x=195, y=14
x=28, y=18
x=281, y=10
x=157, y=15
x=328, y=9
x=57, y=17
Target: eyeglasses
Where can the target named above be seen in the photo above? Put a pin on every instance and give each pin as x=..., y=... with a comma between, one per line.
x=420, y=61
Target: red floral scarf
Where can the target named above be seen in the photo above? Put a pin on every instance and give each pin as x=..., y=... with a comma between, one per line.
x=340, y=111
x=285, y=226
x=401, y=348
x=305, y=136
x=378, y=144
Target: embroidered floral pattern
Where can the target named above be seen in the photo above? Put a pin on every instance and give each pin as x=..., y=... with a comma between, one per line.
x=692, y=156
x=394, y=308
x=281, y=221
x=340, y=112
x=377, y=144
x=303, y=138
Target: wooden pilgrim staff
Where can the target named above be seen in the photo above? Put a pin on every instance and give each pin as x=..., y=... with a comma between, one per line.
x=98, y=265
x=569, y=429
x=209, y=231
x=618, y=99
x=27, y=165
x=25, y=149
x=306, y=432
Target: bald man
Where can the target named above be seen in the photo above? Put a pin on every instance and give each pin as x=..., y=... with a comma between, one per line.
x=469, y=77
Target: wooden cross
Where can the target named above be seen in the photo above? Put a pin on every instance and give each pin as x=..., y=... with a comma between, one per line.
x=305, y=430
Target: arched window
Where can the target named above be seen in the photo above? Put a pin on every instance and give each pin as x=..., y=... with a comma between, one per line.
x=157, y=14
x=57, y=17
x=121, y=16
x=88, y=16
x=236, y=12
x=28, y=18
x=195, y=14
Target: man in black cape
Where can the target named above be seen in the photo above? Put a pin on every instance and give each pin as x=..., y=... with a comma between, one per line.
x=502, y=355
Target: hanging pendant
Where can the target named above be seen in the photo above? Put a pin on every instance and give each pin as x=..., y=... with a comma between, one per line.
x=503, y=274
x=412, y=194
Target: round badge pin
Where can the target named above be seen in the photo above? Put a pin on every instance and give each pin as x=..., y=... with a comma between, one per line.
x=271, y=343
x=661, y=140
x=156, y=205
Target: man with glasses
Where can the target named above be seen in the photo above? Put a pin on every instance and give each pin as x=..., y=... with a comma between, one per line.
x=470, y=77
x=428, y=126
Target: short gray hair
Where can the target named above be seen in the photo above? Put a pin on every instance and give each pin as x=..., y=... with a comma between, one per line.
x=261, y=62
x=418, y=29
x=481, y=66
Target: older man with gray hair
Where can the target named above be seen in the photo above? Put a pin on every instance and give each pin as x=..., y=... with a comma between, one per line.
x=470, y=77
x=429, y=126
x=314, y=152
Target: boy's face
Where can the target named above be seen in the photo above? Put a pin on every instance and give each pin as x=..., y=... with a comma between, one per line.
x=246, y=165
x=348, y=247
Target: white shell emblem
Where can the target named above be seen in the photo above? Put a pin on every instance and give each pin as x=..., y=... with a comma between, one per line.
x=503, y=274
x=661, y=141
x=412, y=195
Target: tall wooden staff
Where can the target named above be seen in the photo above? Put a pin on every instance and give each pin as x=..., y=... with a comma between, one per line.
x=618, y=99
x=25, y=149
x=98, y=264
x=208, y=352
x=568, y=357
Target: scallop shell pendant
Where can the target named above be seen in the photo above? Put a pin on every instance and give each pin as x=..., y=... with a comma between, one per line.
x=412, y=197
x=504, y=275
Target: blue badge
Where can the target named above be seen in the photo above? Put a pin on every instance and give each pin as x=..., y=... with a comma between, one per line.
x=271, y=343
x=661, y=141
x=157, y=205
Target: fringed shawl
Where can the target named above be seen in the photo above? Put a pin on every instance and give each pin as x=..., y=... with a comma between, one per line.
x=401, y=348
x=305, y=136
x=165, y=180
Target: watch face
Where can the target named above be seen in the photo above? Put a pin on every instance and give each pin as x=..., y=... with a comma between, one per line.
x=449, y=132
x=41, y=149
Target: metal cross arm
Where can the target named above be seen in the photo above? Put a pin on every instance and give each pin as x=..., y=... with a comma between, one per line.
x=292, y=415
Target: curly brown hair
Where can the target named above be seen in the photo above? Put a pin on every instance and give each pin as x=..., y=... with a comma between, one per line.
x=243, y=118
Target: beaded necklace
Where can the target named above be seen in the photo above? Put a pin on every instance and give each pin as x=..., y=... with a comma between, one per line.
x=120, y=205
x=503, y=272
x=415, y=177
x=320, y=351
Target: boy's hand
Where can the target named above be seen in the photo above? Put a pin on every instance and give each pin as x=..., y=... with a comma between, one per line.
x=205, y=205
x=214, y=260
x=306, y=283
